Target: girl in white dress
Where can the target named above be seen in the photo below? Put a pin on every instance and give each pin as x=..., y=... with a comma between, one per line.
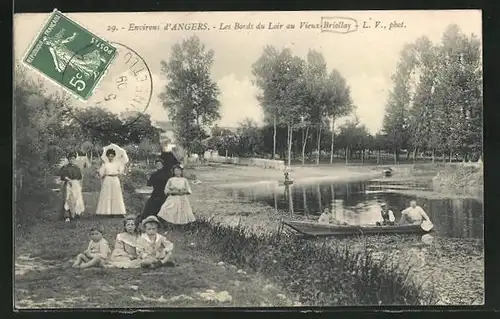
x=176, y=209
x=111, y=196
x=125, y=250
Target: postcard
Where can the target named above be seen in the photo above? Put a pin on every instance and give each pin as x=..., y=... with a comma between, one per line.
x=248, y=159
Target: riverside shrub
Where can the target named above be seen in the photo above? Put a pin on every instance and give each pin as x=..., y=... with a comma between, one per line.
x=319, y=275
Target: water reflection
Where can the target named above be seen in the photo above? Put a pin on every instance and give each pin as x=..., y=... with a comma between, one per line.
x=356, y=203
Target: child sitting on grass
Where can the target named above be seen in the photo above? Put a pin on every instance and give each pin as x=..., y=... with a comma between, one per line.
x=97, y=252
x=153, y=249
x=124, y=254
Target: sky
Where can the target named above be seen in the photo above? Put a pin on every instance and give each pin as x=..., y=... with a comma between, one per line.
x=366, y=57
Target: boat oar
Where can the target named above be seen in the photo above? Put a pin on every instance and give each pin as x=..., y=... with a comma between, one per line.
x=426, y=225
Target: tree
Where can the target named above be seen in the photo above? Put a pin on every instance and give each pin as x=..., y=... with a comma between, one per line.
x=317, y=92
x=339, y=102
x=44, y=132
x=279, y=76
x=103, y=127
x=137, y=126
x=354, y=137
x=191, y=96
x=146, y=148
x=292, y=94
x=423, y=100
x=379, y=143
x=266, y=71
x=250, y=138
x=396, y=119
x=460, y=88
x=436, y=103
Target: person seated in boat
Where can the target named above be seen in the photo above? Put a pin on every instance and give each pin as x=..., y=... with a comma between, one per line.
x=413, y=215
x=387, y=216
x=327, y=218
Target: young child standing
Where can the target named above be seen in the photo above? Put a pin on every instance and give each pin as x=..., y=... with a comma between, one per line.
x=124, y=254
x=96, y=253
x=153, y=249
x=176, y=209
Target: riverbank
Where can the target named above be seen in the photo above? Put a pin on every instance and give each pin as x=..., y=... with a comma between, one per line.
x=223, y=250
x=44, y=278
x=461, y=180
x=211, y=258
x=446, y=258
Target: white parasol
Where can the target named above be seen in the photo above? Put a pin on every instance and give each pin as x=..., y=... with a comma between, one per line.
x=177, y=151
x=121, y=154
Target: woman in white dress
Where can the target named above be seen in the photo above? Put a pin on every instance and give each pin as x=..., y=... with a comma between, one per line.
x=111, y=196
x=176, y=209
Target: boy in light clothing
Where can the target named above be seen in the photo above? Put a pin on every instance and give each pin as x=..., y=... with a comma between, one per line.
x=153, y=249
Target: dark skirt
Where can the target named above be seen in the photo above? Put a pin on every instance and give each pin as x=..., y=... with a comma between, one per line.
x=153, y=205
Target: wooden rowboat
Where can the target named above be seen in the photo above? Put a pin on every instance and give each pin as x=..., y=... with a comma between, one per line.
x=315, y=229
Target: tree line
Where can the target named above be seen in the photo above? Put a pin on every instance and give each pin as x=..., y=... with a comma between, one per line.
x=48, y=127
x=436, y=103
x=434, y=107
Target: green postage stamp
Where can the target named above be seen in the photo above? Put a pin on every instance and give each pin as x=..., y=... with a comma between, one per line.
x=70, y=55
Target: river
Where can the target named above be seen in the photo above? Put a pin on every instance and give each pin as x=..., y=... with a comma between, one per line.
x=359, y=203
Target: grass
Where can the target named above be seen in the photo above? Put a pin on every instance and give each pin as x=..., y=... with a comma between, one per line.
x=51, y=243
x=318, y=275
x=315, y=275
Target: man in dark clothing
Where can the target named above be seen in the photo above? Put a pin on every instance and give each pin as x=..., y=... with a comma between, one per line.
x=158, y=180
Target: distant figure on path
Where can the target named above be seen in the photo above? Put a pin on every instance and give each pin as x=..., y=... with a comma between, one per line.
x=387, y=216
x=96, y=253
x=176, y=209
x=71, y=175
x=413, y=215
x=124, y=254
x=111, y=196
x=158, y=180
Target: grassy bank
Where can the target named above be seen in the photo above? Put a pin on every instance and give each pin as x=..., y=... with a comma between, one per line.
x=44, y=278
x=439, y=268
x=460, y=180
x=250, y=268
x=274, y=268
x=316, y=275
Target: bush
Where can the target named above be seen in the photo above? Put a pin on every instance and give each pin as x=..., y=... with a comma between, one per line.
x=462, y=180
x=320, y=275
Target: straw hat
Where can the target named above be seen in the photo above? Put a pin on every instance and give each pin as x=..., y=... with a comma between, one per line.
x=150, y=219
